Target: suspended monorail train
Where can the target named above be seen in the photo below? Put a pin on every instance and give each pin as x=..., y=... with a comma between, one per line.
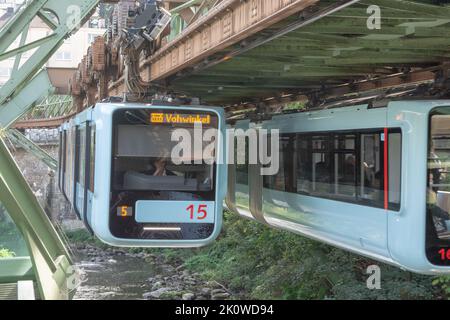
x=373, y=181
x=117, y=169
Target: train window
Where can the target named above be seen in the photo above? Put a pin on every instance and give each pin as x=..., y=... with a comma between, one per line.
x=284, y=179
x=81, y=154
x=438, y=188
x=145, y=167
x=371, y=184
x=72, y=158
x=321, y=165
x=68, y=163
x=345, y=166
x=304, y=177
x=143, y=161
x=241, y=158
x=92, y=159
x=394, y=168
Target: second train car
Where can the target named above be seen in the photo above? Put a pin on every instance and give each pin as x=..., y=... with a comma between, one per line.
x=374, y=181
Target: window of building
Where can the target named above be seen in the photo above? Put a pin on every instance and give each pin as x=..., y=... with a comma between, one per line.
x=5, y=72
x=91, y=37
x=63, y=56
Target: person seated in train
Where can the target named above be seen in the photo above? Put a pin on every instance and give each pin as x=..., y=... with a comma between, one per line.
x=158, y=168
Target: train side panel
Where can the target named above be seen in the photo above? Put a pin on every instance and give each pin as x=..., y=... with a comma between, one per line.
x=361, y=229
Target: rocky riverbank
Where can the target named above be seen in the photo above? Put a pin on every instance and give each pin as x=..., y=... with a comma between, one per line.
x=111, y=274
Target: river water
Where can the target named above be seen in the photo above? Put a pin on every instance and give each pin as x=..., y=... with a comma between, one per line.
x=114, y=274
x=121, y=278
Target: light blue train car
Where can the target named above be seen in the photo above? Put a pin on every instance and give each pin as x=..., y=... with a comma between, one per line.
x=373, y=181
x=118, y=172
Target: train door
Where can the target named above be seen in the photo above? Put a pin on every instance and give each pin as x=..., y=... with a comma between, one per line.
x=80, y=170
x=84, y=164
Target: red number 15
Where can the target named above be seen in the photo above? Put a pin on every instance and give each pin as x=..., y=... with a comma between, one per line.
x=201, y=212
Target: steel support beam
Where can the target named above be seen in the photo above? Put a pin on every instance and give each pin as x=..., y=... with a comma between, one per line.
x=28, y=84
x=42, y=123
x=222, y=27
x=69, y=15
x=51, y=260
x=18, y=138
x=33, y=91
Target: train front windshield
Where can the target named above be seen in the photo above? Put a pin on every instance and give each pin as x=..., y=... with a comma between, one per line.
x=163, y=174
x=438, y=188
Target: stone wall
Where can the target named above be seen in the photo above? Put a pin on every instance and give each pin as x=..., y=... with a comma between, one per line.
x=44, y=182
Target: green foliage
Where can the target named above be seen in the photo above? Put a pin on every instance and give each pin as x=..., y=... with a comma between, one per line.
x=83, y=236
x=444, y=284
x=257, y=262
x=263, y=263
x=295, y=106
x=6, y=253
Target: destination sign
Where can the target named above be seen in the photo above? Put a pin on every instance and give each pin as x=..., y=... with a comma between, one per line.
x=159, y=117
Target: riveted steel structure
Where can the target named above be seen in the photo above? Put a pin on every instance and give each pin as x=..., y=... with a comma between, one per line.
x=49, y=262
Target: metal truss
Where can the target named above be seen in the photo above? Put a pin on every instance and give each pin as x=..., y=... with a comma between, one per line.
x=18, y=138
x=62, y=17
x=28, y=84
x=50, y=107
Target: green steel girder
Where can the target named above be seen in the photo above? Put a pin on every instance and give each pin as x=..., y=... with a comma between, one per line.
x=33, y=91
x=185, y=5
x=29, y=83
x=17, y=137
x=51, y=260
x=16, y=269
x=69, y=14
x=52, y=106
x=336, y=49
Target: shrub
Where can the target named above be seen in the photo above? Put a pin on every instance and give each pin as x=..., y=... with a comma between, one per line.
x=6, y=253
